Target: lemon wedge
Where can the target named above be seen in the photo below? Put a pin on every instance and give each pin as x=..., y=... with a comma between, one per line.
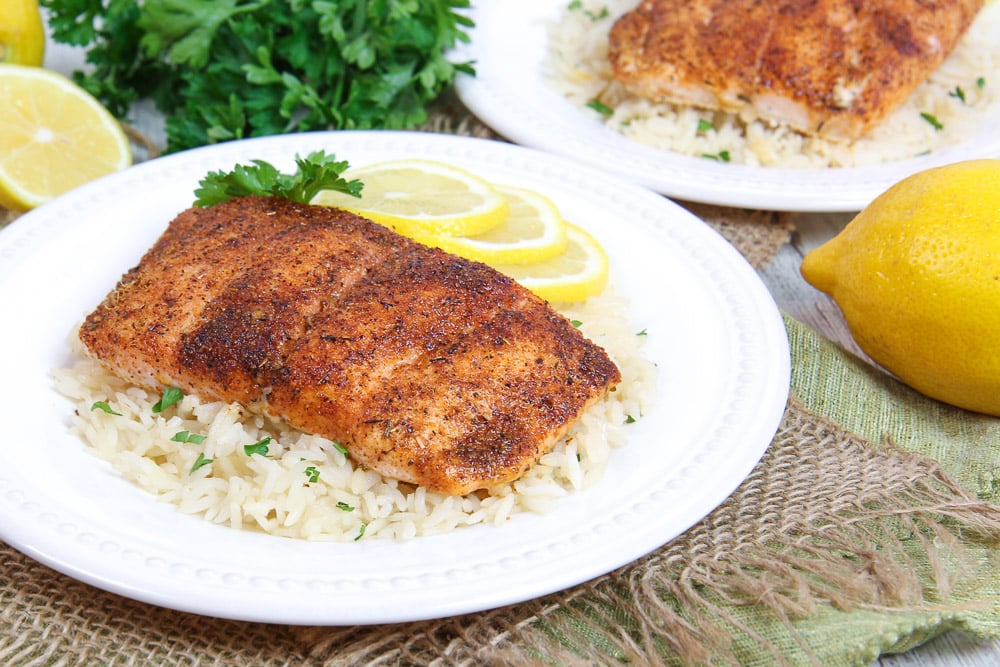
x=54, y=136
x=579, y=272
x=422, y=198
x=532, y=232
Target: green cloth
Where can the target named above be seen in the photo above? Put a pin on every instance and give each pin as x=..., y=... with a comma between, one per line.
x=874, y=405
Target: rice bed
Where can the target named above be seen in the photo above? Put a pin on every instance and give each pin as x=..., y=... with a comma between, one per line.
x=194, y=455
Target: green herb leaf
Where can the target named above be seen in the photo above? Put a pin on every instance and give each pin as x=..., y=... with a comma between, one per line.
x=171, y=395
x=340, y=448
x=576, y=323
x=344, y=506
x=361, y=532
x=228, y=69
x=201, y=462
x=932, y=120
x=958, y=93
x=312, y=472
x=981, y=82
x=642, y=333
x=259, y=447
x=705, y=126
x=600, y=107
x=629, y=419
x=722, y=156
x=317, y=171
x=103, y=406
x=187, y=436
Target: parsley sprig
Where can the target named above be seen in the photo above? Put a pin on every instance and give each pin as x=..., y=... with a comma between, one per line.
x=317, y=171
x=230, y=69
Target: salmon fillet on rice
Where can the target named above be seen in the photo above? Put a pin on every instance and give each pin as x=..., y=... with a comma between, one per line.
x=426, y=367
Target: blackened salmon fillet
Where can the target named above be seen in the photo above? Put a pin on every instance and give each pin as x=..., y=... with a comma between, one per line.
x=426, y=367
x=834, y=68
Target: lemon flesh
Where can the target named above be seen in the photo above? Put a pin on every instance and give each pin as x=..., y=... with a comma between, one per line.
x=422, y=197
x=54, y=136
x=916, y=275
x=533, y=231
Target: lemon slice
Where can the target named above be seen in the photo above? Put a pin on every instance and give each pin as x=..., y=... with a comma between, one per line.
x=579, y=272
x=533, y=231
x=422, y=198
x=54, y=136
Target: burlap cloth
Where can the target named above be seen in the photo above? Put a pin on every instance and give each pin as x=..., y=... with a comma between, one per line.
x=870, y=525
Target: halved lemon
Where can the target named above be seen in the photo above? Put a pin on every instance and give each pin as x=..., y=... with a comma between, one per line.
x=532, y=232
x=581, y=271
x=422, y=198
x=54, y=136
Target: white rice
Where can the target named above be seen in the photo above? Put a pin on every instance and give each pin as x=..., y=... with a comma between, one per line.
x=578, y=68
x=305, y=487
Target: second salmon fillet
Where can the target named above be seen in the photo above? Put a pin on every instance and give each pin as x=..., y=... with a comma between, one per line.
x=426, y=367
x=834, y=68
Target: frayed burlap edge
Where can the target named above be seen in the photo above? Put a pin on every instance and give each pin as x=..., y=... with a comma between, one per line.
x=824, y=519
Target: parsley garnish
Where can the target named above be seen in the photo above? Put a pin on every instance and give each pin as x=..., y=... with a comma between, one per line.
x=705, y=126
x=629, y=419
x=318, y=171
x=981, y=82
x=340, y=448
x=932, y=120
x=958, y=93
x=201, y=462
x=344, y=506
x=722, y=156
x=361, y=532
x=642, y=333
x=103, y=406
x=187, y=436
x=600, y=107
x=312, y=472
x=576, y=323
x=170, y=396
x=259, y=447
x=231, y=69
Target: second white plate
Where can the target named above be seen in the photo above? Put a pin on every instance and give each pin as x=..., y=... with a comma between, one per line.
x=509, y=93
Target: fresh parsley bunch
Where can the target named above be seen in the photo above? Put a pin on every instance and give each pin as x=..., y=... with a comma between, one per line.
x=227, y=69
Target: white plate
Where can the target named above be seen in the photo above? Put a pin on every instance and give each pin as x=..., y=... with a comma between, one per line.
x=509, y=94
x=713, y=330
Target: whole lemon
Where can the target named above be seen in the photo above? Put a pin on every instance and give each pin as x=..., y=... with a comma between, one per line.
x=22, y=33
x=917, y=277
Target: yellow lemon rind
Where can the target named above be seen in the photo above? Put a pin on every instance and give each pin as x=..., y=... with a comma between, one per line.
x=565, y=287
x=537, y=208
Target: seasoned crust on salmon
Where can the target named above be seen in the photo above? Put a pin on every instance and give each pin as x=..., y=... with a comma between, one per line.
x=835, y=68
x=428, y=368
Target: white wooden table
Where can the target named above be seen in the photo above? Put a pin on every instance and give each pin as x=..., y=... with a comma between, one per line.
x=804, y=303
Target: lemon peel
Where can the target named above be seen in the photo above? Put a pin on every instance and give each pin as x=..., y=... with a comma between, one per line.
x=916, y=275
x=533, y=231
x=581, y=271
x=22, y=33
